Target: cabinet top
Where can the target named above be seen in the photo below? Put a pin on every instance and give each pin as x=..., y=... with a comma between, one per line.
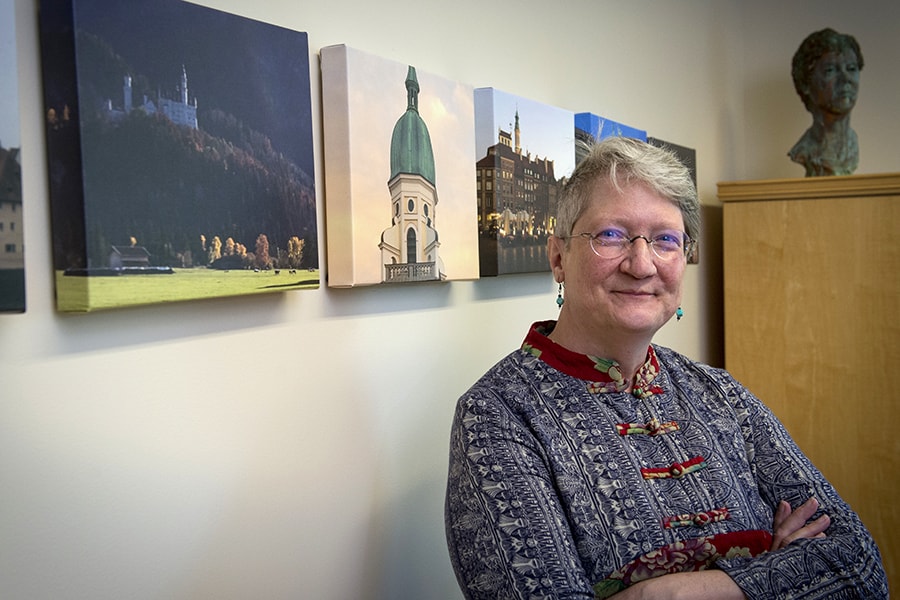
x=838, y=186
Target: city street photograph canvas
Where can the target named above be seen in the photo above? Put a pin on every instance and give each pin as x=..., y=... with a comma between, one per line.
x=179, y=142
x=525, y=150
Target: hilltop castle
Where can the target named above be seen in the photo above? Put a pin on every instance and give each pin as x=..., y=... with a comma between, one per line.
x=180, y=110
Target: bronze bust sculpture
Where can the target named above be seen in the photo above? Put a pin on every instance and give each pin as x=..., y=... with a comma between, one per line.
x=826, y=70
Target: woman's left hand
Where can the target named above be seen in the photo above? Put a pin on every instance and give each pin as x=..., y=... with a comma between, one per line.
x=789, y=524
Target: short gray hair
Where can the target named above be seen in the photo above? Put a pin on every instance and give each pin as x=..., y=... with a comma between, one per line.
x=622, y=161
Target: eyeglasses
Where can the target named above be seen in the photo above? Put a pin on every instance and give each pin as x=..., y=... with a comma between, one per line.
x=613, y=243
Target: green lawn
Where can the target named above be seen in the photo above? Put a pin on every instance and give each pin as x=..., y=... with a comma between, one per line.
x=81, y=294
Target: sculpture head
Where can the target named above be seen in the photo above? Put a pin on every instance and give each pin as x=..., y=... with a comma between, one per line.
x=825, y=70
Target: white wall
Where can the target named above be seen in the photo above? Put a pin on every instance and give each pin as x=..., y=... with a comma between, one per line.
x=294, y=446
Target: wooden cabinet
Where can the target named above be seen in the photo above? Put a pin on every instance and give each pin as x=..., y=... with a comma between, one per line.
x=812, y=327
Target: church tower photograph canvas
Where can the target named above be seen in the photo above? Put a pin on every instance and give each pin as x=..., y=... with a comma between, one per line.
x=410, y=246
x=399, y=175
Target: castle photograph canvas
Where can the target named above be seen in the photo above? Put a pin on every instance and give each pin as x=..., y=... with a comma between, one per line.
x=399, y=146
x=179, y=144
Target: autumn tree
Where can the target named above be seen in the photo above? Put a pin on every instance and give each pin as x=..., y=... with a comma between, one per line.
x=262, y=251
x=295, y=251
x=215, y=249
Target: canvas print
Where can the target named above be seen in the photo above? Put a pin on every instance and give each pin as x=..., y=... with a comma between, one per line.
x=525, y=150
x=180, y=153
x=12, y=243
x=688, y=156
x=590, y=128
x=399, y=153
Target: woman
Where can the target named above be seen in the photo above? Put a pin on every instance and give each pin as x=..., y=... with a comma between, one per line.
x=591, y=463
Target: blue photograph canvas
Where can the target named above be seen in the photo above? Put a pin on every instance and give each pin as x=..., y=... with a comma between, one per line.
x=590, y=128
x=598, y=127
x=12, y=242
x=179, y=142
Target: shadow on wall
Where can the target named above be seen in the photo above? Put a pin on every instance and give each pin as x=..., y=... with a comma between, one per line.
x=386, y=298
x=776, y=130
x=713, y=282
x=163, y=323
x=408, y=556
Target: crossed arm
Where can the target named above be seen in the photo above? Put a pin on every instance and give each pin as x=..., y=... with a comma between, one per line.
x=788, y=525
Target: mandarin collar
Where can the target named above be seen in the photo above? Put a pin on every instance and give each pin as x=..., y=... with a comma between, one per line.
x=602, y=375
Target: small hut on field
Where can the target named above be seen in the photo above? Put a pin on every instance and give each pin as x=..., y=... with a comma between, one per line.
x=129, y=257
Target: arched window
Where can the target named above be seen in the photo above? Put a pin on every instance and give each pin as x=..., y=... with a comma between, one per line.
x=411, y=245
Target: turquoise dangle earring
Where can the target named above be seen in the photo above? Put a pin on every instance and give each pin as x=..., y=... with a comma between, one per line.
x=679, y=312
x=559, y=296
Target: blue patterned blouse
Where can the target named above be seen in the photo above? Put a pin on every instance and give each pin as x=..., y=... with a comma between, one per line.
x=562, y=485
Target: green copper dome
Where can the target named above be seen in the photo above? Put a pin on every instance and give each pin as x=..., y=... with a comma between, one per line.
x=411, y=151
